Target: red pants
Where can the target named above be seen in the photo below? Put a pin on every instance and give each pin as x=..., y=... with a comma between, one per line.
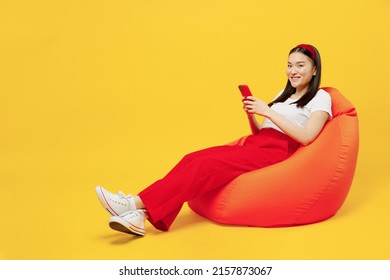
x=199, y=172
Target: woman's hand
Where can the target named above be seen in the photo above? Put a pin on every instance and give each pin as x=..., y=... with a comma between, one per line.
x=253, y=105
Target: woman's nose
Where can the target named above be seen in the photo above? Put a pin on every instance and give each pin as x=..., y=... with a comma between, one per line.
x=292, y=70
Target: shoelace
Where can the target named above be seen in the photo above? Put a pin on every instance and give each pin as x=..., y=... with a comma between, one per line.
x=121, y=195
x=136, y=213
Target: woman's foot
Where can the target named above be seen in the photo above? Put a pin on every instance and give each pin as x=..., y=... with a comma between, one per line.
x=131, y=222
x=115, y=204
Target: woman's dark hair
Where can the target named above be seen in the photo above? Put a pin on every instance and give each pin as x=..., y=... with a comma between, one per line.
x=314, y=84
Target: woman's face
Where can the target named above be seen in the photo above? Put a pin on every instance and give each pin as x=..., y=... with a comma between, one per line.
x=300, y=70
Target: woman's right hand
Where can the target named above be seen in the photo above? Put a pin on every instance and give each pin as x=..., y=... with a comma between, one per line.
x=245, y=107
x=253, y=105
x=254, y=125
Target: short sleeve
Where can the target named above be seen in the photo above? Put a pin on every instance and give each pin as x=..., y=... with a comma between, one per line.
x=322, y=102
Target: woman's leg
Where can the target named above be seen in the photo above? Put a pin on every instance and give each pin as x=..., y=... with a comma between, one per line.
x=118, y=203
x=199, y=173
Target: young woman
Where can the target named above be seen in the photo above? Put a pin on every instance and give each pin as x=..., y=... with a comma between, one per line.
x=295, y=117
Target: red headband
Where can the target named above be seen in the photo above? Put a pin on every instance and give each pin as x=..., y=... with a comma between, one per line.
x=310, y=49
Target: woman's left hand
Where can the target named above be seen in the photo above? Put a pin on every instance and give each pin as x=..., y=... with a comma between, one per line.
x=253, y=105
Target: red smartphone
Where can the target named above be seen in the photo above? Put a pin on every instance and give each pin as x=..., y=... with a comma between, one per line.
x=245, y=91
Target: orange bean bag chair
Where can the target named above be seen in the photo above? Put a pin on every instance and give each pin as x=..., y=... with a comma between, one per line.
x=308, y=187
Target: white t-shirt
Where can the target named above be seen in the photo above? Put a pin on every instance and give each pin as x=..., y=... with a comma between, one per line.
x=320, y=102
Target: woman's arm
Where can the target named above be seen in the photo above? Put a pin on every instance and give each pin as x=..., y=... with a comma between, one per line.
x=253, y=123
x=304, y=135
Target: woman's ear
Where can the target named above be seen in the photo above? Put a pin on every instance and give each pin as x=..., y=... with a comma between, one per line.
x=315, y=71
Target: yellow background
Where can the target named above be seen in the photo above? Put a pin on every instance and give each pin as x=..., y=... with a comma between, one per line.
x=116, y=92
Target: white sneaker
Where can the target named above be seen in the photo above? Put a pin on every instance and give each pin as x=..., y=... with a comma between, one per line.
x=115, y=204
x=132, y=222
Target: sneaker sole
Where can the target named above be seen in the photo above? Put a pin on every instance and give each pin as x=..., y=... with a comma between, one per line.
x=130, y=229
x=103, y=201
